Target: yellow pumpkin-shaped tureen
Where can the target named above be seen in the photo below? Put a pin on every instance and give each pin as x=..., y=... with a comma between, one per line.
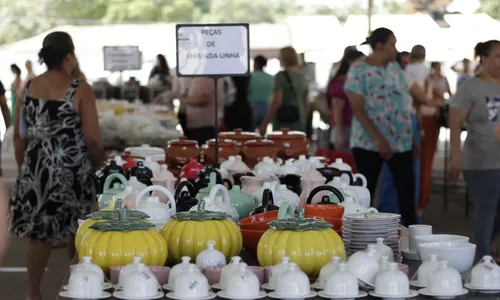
x=309, y=243
x=188, y=233
x=116, y=242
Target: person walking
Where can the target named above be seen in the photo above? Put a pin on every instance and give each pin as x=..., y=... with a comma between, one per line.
x=58, y=147
x=261, y=90
x=290, y=104
x=15, y=87
x=382, y=125
x=476, y=105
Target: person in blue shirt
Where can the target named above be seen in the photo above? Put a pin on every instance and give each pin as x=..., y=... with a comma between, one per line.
x=261, y=90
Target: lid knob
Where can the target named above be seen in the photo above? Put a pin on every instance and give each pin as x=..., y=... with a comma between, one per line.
x=137, y=259
x=235, y=259
x=186, y=259
x=87, y=259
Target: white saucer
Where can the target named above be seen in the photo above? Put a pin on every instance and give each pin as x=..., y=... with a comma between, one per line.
x=410, y=295
x=217, y=286
x=426, y=292
x=107, y=286
x=66, y=294
x=210, y=296
x=416, y=284
x=167, y=287
x=267, y=287
x=410, y=255
x=120, y=295
x=275, y=296
x=360, y=295
x=482, y=290
x=316, y=286
x=222, y=294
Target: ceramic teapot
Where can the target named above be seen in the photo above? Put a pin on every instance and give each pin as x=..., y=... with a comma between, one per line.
x=158, y=212
x=359, y=193
x=165, y=178
x=237, y=177
x=243, y=203
x=310, y=181
x=203, y=179
x=335, y=196
x=289, y=168
x=339, y=167
x=267, y=165
x=191, y=169
x=225, y=165
x=249, y=184
x=128, y=165
x=184, y=200
x=281, y=194
x=292, y=182
x=352, y=207
x=267, y=203
x=108, y=191
x=152, y=165
x=219, y=204
x=205, y=191
x=238, y=166
x=109, y=169
x=143, y=173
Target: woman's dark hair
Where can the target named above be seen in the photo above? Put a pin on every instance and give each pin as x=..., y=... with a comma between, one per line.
x=345, y=63
x=484, y=49
x=378, y=36
x=260, y=61
x=435, y=64
x=56, y=46
x=399, y=57
x=162, y=69
x=15, y=69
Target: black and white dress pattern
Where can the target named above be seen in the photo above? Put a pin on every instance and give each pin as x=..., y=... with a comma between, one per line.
x=56, y=185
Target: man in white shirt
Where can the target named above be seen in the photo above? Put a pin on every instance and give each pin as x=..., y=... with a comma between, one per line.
x=418, y=69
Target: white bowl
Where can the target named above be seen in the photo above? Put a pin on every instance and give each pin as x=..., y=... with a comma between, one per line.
x=431, y=238
x=459, y=255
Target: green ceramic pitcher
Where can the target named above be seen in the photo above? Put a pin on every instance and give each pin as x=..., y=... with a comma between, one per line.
x=108, y=192
x=243, y=202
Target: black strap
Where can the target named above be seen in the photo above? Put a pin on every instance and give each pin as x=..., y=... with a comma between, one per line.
x=290, y=84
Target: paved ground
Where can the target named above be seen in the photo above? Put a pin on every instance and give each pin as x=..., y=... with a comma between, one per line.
x=13, y=284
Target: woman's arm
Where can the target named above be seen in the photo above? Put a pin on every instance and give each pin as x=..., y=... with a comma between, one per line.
x=19, y=141
x=90, y=126
x=273, y=109
x=456, y=121
x=425, y=98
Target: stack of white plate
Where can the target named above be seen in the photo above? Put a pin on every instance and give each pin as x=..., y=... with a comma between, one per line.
x=359, y=230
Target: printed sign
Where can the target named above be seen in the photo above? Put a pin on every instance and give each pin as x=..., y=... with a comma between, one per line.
x=213, y=50
x=122, y=58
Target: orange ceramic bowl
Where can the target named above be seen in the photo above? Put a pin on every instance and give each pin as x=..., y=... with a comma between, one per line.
x=337, y=223
x=324, y=210
x=251, y=239
x=258, y=221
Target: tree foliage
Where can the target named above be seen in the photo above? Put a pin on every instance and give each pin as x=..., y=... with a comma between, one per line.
x=491, y=7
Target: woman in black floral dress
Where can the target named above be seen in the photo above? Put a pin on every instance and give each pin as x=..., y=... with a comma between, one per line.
x=58, y=145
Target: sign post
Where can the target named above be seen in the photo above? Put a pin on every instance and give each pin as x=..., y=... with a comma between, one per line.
x=215, y=51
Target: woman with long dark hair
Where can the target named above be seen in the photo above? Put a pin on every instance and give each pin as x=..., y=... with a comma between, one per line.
x=341, y=118
x=160, y=72
x=475, y=105
x=14, y=88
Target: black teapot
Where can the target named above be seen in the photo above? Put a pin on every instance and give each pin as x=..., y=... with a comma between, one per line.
x=326, y=199
x=203, y=179
x=142, y=173
x=267, y=203
x=184, y=200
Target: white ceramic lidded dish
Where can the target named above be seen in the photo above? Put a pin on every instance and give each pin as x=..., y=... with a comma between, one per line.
x=424, y=271
x=85, y=283
x=293, y=284
x=134, y=266
x=176, y=271
x=365, y=265
x=226, y=272
x=139, y=284
x=341, y=284
x=392, y=283
x=244, y=285
x=444, y=282
x=276, y=272
x=210, y=257
x=326, y=271
x=384, y=250
x=485, y=275
x=191, y=284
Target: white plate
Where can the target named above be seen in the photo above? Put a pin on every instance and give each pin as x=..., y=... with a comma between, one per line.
x=222, y=294
x=416, y=284
x=361, y=294
x=373, y=217
x=426, y=292
x=482, y=290
x=275, y=296
x=66, y=294
x=167, y=287
x=410, y=295
x=216, y=286
x=410, y=255
x=120, y=295
x=266, y=286
x=107, y=286
x=210, y=296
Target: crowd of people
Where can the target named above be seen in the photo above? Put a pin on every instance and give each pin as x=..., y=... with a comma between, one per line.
x=385, y=111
